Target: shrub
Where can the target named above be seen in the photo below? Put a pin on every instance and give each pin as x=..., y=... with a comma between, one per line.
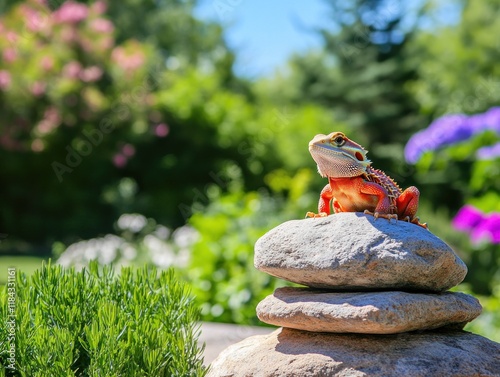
x=226, y=284
x=464, y=150
x=91, y=323
x=138, y=241
x=488, y=323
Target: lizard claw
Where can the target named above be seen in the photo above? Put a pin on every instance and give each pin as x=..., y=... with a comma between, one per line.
x=376, y=215
x=416, y=221
x=315, y=215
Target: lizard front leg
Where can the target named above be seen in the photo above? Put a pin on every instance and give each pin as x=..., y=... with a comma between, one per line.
x=324, y=203
x=407, y=205
x=381, y=197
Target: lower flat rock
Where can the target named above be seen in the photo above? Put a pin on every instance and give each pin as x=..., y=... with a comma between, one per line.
x=367, y=312
x=356, y=252
x=288, y=352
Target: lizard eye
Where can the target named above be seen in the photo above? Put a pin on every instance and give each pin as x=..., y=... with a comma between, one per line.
x=339, y=140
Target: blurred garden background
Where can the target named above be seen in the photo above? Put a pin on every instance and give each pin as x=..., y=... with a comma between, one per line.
x=140, y=132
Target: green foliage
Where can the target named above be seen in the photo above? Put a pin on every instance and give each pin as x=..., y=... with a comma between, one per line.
x=91, y=323
x=170, y=27
x=74, y=98
x=455, y=176
x=82, y=115
x=361, y=75
x=225, y=282
x=457, y=70
x=488, y=323
x=181, y=128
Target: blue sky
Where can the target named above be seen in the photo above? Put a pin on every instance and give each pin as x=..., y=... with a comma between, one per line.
x=264, y=33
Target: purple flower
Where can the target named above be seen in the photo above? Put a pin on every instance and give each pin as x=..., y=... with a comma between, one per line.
x=450, y=129
x=492, y=119
x=488, y=153
x=71, y=12
x=467, y=218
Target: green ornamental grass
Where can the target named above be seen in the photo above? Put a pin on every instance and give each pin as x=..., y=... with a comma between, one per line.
x=92, y=323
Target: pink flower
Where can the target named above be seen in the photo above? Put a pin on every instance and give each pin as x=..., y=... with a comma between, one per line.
x=104, y=43
x=102, y=25
x=38, y=88
x=69, y=34
x=488, y=229
x=162, y=130
x=72, y=70
x=99, y=7
x=467, y=218
x=119, y=160
x=91, y=74
x=9, y=55
x=71, y=12
x=37, y=145
x=128, y=150
x=51, y=119
x=128, y=61
x=52, y=114
x=47, y=63
x=5, y=80
x=35, y=21
x=12, y=37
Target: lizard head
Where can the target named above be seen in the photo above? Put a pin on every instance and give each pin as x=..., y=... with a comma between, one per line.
x=337, y=156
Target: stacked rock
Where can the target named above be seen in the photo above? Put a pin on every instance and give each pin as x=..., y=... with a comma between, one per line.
x=372, y=286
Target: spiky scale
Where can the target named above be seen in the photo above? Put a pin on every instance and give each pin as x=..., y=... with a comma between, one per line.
x=393, y=189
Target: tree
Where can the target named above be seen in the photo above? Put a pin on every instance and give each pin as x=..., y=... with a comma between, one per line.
x=361, y=75
x=85, y=133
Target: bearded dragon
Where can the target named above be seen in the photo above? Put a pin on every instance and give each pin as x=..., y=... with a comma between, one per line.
x=354, y=186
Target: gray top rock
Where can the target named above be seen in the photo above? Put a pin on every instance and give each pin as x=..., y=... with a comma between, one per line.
x=366, y=312
x=288, y=352
x=355, y=252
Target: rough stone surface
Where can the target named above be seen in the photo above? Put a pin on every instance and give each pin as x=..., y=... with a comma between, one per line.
x=367, y=312
x=215, y=337
x=288, y=352
x=355, y=252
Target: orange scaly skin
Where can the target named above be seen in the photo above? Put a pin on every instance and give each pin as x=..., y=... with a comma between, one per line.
x=354, y=186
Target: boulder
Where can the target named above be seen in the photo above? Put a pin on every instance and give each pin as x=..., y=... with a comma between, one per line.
x=288, y=352
x=366, y=312
x=355, y=252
